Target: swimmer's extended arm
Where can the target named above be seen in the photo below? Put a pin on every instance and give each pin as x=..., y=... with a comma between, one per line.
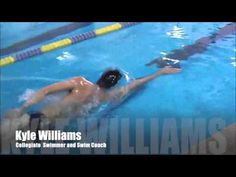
x=121, y=92
x=57, y=87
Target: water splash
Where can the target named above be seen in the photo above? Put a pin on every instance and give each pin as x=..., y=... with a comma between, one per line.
x=163, y=53
x=233, y=58
x=177, y=32
x=26, y=95
x=170, y=59
x=66, y=56
x=127, y=76
x=234, y=64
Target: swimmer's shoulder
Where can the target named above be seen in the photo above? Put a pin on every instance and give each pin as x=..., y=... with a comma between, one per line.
x=81, y=80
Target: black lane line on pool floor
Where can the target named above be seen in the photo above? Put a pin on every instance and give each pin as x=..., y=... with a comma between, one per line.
x=43, y=37
x=198, y=47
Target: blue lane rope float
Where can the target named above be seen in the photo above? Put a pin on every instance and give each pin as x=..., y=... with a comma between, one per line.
x=64, y=42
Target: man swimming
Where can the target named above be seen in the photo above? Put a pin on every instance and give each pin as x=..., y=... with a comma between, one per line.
x=83, y=95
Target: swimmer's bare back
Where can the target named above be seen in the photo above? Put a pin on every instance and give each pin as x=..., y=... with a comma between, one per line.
x=80, y=92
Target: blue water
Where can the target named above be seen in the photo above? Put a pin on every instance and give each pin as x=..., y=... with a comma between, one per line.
x=13, y=32
x=204, y=89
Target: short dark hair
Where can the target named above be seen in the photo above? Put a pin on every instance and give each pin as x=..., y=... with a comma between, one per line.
x=109, y=78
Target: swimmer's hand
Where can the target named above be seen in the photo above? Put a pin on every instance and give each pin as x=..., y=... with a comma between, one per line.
x=16, y=113
x=169, y=70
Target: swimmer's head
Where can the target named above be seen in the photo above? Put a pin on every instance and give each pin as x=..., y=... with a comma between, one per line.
x=109, y=78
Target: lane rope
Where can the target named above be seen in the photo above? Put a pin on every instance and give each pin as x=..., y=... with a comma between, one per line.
x=64, y=42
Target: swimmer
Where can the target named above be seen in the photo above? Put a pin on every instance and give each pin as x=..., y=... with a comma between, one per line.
x=83, y=95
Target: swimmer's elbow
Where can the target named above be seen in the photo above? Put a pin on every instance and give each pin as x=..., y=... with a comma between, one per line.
x=44, y=91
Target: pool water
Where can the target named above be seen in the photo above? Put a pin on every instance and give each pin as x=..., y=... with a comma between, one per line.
x=204, y=89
